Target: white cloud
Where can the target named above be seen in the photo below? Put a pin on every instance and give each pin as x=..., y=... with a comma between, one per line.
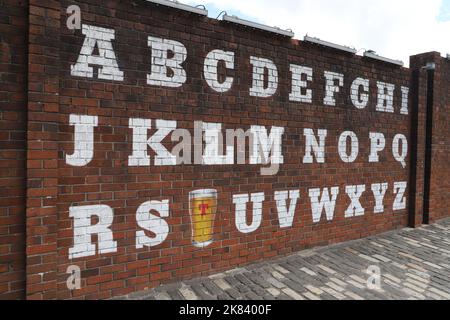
x=393, y=28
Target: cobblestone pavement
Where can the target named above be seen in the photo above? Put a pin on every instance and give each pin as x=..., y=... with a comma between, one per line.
x=414, y=264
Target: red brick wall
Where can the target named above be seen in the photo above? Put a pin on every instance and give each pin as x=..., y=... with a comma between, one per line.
x=13, y=86
x=55, y=187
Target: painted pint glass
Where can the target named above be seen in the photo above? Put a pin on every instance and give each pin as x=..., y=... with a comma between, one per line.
x=202, y=209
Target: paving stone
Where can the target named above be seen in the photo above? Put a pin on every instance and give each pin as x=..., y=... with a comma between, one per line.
x=334, y=286
x=260, y=281
x=359, y=279
x=187, y=293
x=308, y=271
x=232, y=281
x=294, y=295
x=432, y=265
x=410, y=256
x=259, y=291
x=277, y=284
x=333, y=293
x=233, y=293
x=311, y=296
x=356, y=284
x=392, y=278
x=222, y=284
x=338, y=282
x=281, y=269
x=326, y=269
x=314, y=290
x=201, y=292
x=174, y=294
x=242, y=288
x=278, y=275
x=212, y=288
x=416, y=267
x=294, y=286
x=369, y=258
x=243, y=278
x=274, y=292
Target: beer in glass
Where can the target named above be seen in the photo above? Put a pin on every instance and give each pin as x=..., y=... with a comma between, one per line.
x=202, y=209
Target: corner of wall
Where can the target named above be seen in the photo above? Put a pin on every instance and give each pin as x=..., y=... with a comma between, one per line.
x=42, y=153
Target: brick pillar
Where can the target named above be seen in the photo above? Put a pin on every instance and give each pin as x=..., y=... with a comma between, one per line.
x=42, y=175
x=440, y=167
x=439, y=150
x=13, y=115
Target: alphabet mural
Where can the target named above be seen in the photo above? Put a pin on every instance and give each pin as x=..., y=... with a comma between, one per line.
x=161, y=145
x=266, y=146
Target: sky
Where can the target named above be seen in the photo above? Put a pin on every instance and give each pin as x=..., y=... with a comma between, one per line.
x=393, y=28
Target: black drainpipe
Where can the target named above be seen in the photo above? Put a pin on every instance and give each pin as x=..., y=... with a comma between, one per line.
x=413, y=150
x=428, y=142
